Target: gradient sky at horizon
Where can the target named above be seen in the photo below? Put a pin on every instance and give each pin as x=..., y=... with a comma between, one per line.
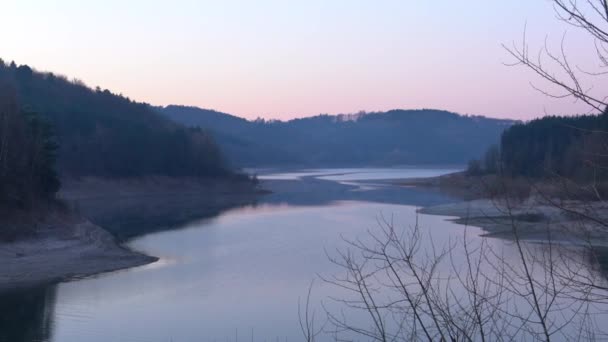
x=286, y=59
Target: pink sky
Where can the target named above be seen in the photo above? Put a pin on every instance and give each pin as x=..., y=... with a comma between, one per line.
x=278, y=59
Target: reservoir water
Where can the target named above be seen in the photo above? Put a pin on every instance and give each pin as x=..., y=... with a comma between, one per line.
x=239, y=275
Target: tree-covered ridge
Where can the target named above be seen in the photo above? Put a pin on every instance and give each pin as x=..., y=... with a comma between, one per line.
x=103, y=134
x=383, y=138
x=567, y=146
x=574, y=147
x=27, y=155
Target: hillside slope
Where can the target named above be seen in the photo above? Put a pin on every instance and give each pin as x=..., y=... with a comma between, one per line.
x=384, y=138
x=104, y=134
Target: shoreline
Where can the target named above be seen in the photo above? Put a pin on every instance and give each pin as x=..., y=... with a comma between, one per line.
x=533, y=217
x=107, y=213
x=64, y=251
x=68, y=247
x=134, y=207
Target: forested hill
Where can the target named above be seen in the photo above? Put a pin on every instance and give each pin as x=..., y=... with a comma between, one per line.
x=103, y=134
x=384, y=138
x=573, y=147
x=27, y=156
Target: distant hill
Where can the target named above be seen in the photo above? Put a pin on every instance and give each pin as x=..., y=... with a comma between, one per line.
x=385, y=138
x=104, y=134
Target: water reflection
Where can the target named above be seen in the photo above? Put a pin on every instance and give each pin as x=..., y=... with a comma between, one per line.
x=314, y=191
x=237, y=268
x=244, y=241
x=132, y=216
x=27, y=315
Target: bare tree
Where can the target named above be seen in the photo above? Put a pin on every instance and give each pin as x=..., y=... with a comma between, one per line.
x=554, y=66
x=548, y=291
x=307, y=318
x=393, y=278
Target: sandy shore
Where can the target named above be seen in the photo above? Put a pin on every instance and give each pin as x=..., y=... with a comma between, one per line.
x=61, y=251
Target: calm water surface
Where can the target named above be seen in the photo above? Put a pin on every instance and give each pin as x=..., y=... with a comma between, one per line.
x=235, y=276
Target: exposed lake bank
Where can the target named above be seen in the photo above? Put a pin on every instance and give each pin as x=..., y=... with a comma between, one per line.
x=532, y=216
x=129, y=208
x=88, y=240
x=63, y=249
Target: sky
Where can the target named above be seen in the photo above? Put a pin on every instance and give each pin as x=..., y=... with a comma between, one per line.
x=286, y=59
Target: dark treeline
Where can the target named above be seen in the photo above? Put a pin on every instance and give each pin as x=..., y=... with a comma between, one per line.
x=573, y=147
x=103, y=134
x=385, y=138
x=27, y=154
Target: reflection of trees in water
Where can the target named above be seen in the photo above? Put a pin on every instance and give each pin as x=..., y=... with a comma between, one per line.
x=27, y=316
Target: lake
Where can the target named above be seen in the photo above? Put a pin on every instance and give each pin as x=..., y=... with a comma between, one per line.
x=239, y=275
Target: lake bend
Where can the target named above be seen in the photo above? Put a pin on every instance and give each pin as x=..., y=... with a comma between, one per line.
x=241, y=274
